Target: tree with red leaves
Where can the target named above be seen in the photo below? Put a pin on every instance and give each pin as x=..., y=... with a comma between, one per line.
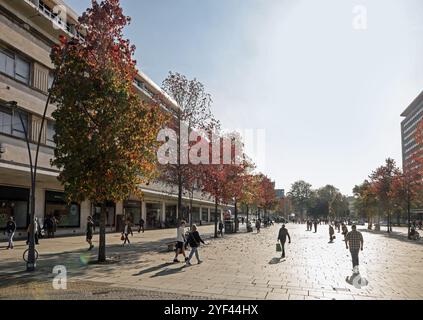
x=105, y=135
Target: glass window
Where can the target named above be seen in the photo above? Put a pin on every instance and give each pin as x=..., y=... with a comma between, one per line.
x=14, y=202
x=50, y=134
x=50, y=79
x=7, y=62
x=204, y=214
x=18, y=128
x=110, y=214
x=5, y=121
x=195, y=214
x=132, y=211
x=67, y=216
x=22, y=70
x=171, y=220
x=153, y=215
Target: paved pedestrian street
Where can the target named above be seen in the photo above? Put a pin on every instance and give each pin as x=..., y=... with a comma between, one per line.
x=241, y=266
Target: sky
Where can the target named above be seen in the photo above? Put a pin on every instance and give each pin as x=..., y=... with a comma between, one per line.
x=326, y=80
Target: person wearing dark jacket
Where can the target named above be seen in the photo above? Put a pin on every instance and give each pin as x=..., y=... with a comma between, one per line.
x=283, y=234
x=10, y=230
x=194, y=241
x=90, y=232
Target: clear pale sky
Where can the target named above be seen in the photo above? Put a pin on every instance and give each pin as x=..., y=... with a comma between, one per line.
x=329, y=96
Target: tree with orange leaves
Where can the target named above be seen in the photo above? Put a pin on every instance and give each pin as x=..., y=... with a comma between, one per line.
x=105, y=135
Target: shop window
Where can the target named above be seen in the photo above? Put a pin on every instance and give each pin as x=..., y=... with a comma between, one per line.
x=153, y=216
x=171, y=220
x=67, y=215
x=132, y=211
x=14, y=202
x=204, y=215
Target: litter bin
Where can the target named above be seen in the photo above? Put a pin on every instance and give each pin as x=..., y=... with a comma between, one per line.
x=229, y=226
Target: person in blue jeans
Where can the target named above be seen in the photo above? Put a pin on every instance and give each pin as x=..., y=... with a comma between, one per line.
x=10, y=230
x=194, y=240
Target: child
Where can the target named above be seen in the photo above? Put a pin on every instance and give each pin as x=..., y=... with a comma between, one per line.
x=194, y=241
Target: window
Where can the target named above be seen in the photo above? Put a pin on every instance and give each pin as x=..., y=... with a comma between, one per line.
x=7, y=62
x=10, y=122
x=50, y=134
x=5, y=121
x=14, y=203
x=22, y=70
x=15, y=66
x=50, y=79
x=67, y=216
x=18, y=129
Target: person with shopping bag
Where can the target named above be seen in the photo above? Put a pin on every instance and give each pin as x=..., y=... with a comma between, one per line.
x=283, y=234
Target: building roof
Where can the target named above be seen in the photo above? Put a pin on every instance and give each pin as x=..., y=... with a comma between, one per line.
x=413, y=105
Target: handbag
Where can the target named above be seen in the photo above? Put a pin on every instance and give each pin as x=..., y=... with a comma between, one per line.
x=122, y=237
x=278, y=247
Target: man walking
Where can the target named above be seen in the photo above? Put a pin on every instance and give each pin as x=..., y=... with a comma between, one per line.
x=283, y=234
x=10, y=230
x=141, y=223
x=354, y=240
x=315, y=226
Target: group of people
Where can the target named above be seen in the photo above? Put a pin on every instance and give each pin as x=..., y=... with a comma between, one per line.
x=183, y=240
x=49, y=228
x=353, y=240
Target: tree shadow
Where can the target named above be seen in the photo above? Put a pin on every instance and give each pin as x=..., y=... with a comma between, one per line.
x=400, y=236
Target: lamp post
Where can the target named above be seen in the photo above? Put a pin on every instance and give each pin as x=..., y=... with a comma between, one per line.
x=31, y=261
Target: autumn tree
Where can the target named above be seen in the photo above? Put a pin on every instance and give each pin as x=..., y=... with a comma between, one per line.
x=267, y=194
x=382, y=180
x=194, y=114
x=105, y=135
x=366, y=201
x=250, y=193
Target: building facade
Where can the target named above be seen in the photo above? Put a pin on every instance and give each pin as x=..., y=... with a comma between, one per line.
x=28, y=30
x=413, y=115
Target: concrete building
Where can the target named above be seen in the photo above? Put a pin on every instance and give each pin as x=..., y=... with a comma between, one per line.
x=413, y=115
x=28, y=30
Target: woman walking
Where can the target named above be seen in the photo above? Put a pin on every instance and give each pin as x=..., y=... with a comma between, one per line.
x=194, y=240
x=126, y=231
x=90, y=232
x=180, y=242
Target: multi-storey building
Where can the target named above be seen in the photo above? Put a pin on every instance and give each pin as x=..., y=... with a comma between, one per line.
x=413, y=115
x=28, y=30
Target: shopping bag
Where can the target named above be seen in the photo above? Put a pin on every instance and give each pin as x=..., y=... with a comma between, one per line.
x=278, y=247
x=122, y=237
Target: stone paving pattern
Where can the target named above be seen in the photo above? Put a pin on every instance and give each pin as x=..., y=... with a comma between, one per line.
x=241, y=266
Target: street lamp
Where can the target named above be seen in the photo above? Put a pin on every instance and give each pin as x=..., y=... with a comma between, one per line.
x=31, y=261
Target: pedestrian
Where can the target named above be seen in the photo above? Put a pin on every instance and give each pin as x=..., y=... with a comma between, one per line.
x=90, y=232
x=283, y=234
x=141, y=223
x=55, y=222
x=10, y=230
x=243, y=220
x=126, y=231
x=420, y=225
x=221, y=228
x=258, y=225
x=49, y=227
x=354, y=242
x=331, y=233
x=194, y=240
x=180, y=242
x=36, y=229
x=315, y=226
x=344, y=231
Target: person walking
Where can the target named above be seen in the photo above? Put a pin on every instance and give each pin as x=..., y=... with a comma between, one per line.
x=10, y=230
x=221, y=228
x=36, y=229
x=126, y=231
x=194, y=240
x=180, y=242
x=315, y=226
x=344, y=231
x=90, y=232
x=141, y=223
x=49, y=227
x=258, y=225
x=354, y=242
x=331, y=233
x=283, y=234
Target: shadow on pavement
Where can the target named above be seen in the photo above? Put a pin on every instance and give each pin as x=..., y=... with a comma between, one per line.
x=155, y=268
x=394, y=235
x=275, y=261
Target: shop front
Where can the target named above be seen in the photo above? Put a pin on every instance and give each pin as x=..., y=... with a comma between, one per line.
x=132, y=211
x=195, y=215
x=153, y=215
x=171, y=216
x=67, y=216
x=110, y=214
x=14, y=203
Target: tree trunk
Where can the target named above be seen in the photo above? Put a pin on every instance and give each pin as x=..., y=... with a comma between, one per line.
x=236, y=216
x=190, y=209
x=102, y=244
x=180, y=196
x=215, y=218
x=248, y=211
